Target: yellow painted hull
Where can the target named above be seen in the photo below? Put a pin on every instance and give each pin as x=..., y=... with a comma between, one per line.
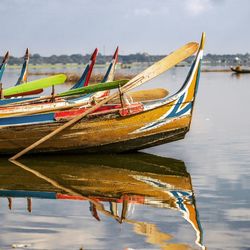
x=116, y=134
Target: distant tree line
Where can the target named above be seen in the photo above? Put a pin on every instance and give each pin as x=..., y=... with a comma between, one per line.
x=36, y=59
x=83, y=59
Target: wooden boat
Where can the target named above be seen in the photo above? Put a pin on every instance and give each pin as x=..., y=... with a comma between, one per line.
x=23, y=79
x=154, y=181
x=36, y=87
x=156, y=122
x=239, y=70
x=52, y=102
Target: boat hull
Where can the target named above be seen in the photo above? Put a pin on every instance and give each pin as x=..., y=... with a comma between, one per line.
x=240, y=71
x=99, y=134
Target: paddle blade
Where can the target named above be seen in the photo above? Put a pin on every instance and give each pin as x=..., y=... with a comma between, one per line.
x=163, y=65
x=34, y=85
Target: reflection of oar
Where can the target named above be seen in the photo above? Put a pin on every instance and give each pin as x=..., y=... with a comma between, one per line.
x=66, y=189
x=148, y=74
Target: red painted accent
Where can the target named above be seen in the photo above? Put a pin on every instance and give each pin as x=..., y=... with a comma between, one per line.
x=33, y=92
x=138, y=199
x=131, y=109
x=69, y=197
x=92, y=60
x=128, y=110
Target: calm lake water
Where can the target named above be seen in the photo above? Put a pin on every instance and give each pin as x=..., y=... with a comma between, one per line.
x=189, y=194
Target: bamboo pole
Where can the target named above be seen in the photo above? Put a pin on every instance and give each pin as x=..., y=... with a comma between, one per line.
x=148, y=74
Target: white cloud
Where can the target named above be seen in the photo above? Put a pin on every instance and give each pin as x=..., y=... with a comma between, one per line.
x=142, y=12
x=197, y=7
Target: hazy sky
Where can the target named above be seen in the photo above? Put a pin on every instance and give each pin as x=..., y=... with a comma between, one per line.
x=155, y=26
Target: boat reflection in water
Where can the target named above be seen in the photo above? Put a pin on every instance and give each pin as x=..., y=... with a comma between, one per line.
x=113, y=185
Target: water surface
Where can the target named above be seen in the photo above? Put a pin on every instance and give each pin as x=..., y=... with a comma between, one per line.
x=188, y=194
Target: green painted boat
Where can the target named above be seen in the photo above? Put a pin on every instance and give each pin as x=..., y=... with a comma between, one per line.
x=35, y=85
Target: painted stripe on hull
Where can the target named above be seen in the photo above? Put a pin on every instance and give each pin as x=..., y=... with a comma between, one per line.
x=28, y=194
x=32, y=119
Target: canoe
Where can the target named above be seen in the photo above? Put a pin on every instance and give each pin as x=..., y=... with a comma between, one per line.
x=155, y=182
x=239, y=70
x=78, y=88
x=157, y=122
x=36, y=87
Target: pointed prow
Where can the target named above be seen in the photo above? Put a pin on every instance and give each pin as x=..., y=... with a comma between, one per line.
x=84, y=79
x=6, y=57
x=110, y=73
x=182, y=102
x=4, y=64
x=203, y=39
x=24, y=72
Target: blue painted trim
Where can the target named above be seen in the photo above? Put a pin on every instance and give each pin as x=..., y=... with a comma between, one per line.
x=13, y=100
x=22, y=120
x=3, y=66
x=23, y=71
x=27, y=194
x=107, y=73
x=82, y=80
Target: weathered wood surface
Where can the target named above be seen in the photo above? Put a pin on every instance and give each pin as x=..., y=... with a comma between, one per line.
x=144, y=95
x=148, y=74
x=95, y=133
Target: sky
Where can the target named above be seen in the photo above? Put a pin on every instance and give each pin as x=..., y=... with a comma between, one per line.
x=69, y=27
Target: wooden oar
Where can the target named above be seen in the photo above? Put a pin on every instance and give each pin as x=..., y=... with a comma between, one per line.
x=145, y=95
x=36, y=84
x=148, y=74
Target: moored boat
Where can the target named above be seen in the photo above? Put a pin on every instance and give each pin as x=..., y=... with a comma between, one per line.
x=156, y=122
x=62, y=100
x=240, y=70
